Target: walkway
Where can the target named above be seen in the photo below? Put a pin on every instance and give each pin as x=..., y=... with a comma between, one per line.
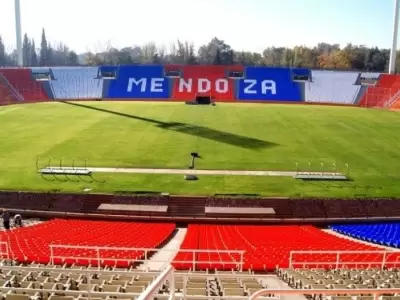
x=59, y=170
x=163, y=258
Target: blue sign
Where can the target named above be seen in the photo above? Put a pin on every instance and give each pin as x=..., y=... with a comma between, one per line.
x=301, y=72
x=140, y=82
x=268, y=84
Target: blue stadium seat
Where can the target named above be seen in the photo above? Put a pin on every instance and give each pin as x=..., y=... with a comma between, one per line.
x=387, y=234
x=332, y=87
x=77, y=83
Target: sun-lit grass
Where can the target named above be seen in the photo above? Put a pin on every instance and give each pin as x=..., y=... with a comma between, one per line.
x=227, y=136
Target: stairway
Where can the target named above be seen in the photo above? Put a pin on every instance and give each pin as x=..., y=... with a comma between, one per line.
x=393, y=100
x=12, y=91
x=163, y=258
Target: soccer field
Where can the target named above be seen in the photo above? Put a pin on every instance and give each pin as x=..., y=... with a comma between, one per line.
x=227, y=136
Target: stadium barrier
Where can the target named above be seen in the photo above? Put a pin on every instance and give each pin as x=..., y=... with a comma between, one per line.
x=306, y=219
x=37, y=204
x=338, y=259
x=97, y=255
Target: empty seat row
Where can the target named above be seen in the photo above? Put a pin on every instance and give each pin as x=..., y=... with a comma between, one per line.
x=387, y=234
x=332, y=87
x=117, y=241
x=265, y=247
x=77, y=83
x=343, y=279
x=23, y=83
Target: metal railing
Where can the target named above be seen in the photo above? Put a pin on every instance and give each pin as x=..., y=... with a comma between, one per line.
x=156, y=285
x=338, y=261
x=146, y=251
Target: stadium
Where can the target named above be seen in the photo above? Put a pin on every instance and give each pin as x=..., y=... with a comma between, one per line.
x=195, y=181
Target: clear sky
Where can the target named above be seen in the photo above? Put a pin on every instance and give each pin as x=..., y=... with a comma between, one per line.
x=244, y=24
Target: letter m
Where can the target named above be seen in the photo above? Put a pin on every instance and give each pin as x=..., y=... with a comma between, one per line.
x=132, y=81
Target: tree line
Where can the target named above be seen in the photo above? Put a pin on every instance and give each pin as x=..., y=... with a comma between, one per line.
x=217, y=52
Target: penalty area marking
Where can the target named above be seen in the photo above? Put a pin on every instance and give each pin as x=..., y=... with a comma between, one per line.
x=186, y=171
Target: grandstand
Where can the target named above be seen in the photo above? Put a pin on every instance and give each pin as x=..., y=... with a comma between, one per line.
x=86, y=83
x=102, y=246
x=105, y=225
x=333, y=87
x=76, y=83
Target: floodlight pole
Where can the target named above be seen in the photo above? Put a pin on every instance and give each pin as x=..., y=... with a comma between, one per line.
x=392, y=62
x=18, y=33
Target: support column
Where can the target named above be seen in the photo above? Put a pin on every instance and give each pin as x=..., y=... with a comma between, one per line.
x=20, y=60
x=392, y=62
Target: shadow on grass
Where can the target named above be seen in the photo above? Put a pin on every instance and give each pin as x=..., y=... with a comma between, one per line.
x=194, y=130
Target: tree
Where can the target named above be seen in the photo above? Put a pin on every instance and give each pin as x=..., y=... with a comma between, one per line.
x=26, y=50
x=323, y=55
x=156, y=59
x=191, y=56
x=207, y=54
x=217, y=59
x=379, y=60
x=72, y=59
x=33, y=54
x=50, y=56
x=287, y=58
x=3, y=56
x=44, y=50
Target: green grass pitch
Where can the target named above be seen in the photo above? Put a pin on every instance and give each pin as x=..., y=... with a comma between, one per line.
x=227, y=136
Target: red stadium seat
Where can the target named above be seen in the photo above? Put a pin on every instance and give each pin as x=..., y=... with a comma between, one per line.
x=202, y=80
x=22, y=81
x=267, y=246
x=380, y=94
x=33, y=243
x=6, y=96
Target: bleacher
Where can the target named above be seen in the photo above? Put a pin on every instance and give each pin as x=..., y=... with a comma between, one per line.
x=21, y=80
x=332, y=87
x=382, y=93
x=96, y=257
x=317, y=278
x=32, y=244
x=76, y=83
x=265, y=246
x=38, y=281
x=387, y=234
x=6, y=96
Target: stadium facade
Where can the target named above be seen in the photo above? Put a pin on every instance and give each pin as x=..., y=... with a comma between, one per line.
x=185, y=83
